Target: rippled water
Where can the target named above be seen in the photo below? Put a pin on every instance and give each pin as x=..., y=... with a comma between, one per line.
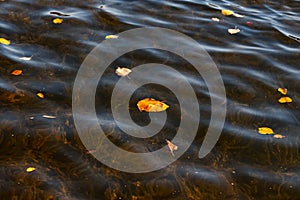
x=264, y=56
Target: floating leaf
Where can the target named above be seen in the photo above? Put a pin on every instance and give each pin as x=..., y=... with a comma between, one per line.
x=172, y=147
x=151, y=105
x=215, y=19
x=57, y=21
x=122, y=71
x=111, y=37
x=26, y=58
x=230, y=12
x=41, y=95
x=285, y=100
x=49, y=116
x=17, y=72
x=227, y=12
x=30, y=169
x=265, y=131
x=233, y=30
x=279, y=136
x=282, y=90
x=4, y=41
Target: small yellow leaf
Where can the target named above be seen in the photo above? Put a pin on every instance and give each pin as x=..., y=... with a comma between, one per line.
x=278, y=136
x=41, y=95
x=265, y=131
x=17, y=72
x=285, y=100
x=282, y=90
x=57, y=21
x=122, y=71
x=4, y=41
x=111, y=37
x=227, y=12
x=233, y=31
x=151, y=105
x=30, y=169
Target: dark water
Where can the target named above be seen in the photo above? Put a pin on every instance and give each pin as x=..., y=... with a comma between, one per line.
x=265, y=55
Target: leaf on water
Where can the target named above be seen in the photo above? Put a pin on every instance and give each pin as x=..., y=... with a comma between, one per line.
x=26, y=58
x=4, y=41
x=285, y=100
x=233, y=30
x=57, y=21
x=279, y=136
x=230, y=12
x=49, y=117
x=282, y=91
x=30, y=169
x=111, y=37
x=151, y=105
x=265, y=131
x=41, y=95
x=122, y=71
x=215, y=19
x=172, y=147
x=17, y=72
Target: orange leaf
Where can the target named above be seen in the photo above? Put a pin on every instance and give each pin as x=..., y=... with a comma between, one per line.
x=17, y=72
x=285, y=100
x=282, y=90
x=151, y=105
x=41, y=95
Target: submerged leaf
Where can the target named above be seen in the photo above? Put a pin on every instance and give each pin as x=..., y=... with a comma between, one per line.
x=279, y=136
x=4, y=41
x=215, y=19
x=25, y=58
x=57, y=21
x=172, y=147
x=265, y=131
x=122, y=71
x=151, y=105
x=285, y=100
x=282, y=91
x=41, y=95
x=30, y=169
x=111, y=37
x=17, y=72
x=49, y=116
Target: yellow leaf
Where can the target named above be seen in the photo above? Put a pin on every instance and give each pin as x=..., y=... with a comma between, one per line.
x=282, y=90
x=227, y=12
x=151, y=105
x=4, y=41
x=41, y=95
x=265, y=131
x=111, y=37
x=122, y=71
x=30, y=169
x=285, y=100
x=57, y=21
x=278, y=136
x=17, y=72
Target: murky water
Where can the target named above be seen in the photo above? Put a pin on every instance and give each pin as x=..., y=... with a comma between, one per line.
x=264, y=56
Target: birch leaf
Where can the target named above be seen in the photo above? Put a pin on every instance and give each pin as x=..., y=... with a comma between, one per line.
x=57, y=21
x=285, y=100
x=265, y=131
x=4, y=41
x=30, y=169
x=111, y=37
x=282, y=91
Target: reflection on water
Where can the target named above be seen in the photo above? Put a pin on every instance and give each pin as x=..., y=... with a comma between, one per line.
x=254, y=63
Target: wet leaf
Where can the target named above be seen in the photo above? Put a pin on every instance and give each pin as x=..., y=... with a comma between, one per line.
x=122, y=71
x=172, y=147
x=279, y=136
x=30, y=169
x=282, y=91
x=41, y=95
x=233, y=30
x=111, y=37
x=285, y=100
x=151, y=105
x=4, y=41
x=265, y=131
x=49, y=116
x=57, y=21
x=215, y=19
x=26, y=58
x=230, y=12
x=17, y=72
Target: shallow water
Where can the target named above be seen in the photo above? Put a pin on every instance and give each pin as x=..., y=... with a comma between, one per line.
x=264, y=56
